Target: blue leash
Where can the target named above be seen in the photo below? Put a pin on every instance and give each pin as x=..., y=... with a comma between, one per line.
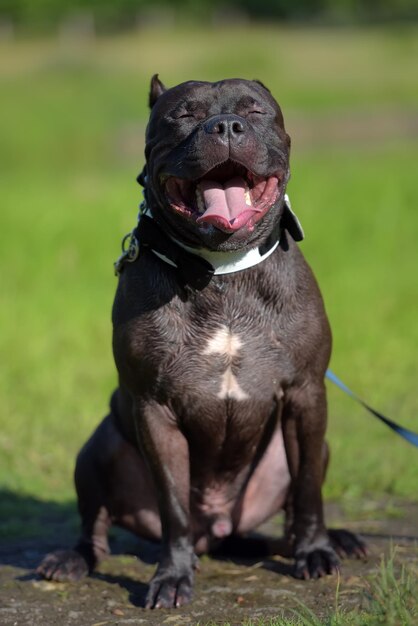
x=400, y=430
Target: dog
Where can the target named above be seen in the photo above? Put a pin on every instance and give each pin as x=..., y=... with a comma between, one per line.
x=221, y=343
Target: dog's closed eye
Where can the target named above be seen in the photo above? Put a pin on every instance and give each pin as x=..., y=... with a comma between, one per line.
x=193, y=110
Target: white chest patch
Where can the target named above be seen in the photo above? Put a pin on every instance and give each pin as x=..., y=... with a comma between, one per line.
x=226, y=344
x=230, y=388
x=223, y=342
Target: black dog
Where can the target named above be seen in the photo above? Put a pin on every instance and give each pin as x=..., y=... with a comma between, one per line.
x=221, y=343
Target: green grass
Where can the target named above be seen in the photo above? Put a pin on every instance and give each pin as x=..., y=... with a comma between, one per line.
x=389, y=598
x=71, y=136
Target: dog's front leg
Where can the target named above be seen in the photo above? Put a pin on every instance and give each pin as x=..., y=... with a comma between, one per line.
x=304, y=424
x=166, y=452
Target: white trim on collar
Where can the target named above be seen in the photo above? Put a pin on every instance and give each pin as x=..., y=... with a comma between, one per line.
x=227, y=262
x=222, y=262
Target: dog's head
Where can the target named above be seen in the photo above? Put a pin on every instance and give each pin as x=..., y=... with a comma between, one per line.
x=217, y=162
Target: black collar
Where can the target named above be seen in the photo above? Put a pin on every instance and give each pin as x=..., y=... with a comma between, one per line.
x=193, y=268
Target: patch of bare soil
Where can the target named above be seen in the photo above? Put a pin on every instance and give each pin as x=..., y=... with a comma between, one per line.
x=225, y=590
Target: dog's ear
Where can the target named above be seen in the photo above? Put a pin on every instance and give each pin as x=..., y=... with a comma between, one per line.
x=156, y=89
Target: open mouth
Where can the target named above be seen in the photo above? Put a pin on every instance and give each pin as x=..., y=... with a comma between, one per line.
x=228, y=197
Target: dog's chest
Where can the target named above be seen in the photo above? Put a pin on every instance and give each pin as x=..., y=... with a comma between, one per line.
x=222, y=351
x=235, y=362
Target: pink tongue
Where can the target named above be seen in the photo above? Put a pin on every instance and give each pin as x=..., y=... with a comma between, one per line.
x=225, y=203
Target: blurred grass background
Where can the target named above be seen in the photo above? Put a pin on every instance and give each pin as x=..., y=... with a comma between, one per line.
x=73, y=114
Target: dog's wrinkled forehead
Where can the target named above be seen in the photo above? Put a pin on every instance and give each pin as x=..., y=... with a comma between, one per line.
x=200, y=100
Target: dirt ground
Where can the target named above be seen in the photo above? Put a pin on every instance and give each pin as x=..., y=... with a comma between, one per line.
x=225, y=590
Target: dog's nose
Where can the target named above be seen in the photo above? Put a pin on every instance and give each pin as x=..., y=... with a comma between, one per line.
x=225, y=126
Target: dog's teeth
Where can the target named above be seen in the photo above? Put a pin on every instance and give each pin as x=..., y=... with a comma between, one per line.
x=247, y=197
x=200, y=202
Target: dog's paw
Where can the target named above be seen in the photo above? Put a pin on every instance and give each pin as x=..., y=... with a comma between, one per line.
x=63, y=566
x=347, y=544
x=169, y=590
x=316, y=562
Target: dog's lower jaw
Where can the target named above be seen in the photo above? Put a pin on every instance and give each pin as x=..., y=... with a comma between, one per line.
x=208, y=236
